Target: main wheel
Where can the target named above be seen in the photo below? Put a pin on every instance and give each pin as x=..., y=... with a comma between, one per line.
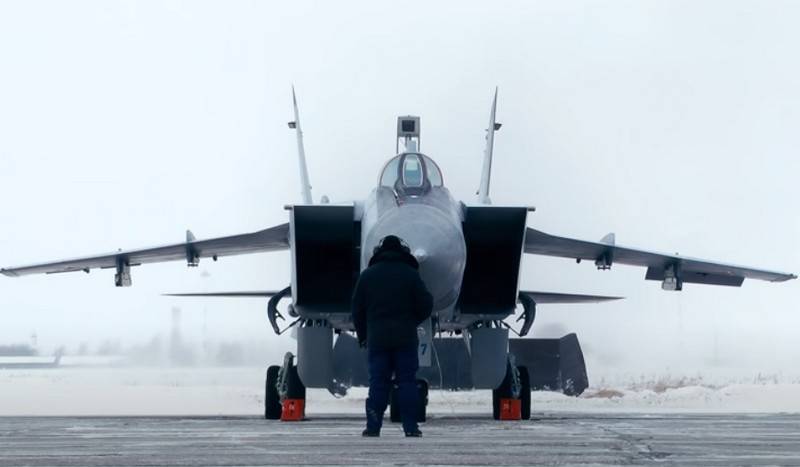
x=272, y=400
x=502, y=392
x=525, y=392
x=295, y=388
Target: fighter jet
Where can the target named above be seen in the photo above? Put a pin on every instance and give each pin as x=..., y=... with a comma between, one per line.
x=469, y=254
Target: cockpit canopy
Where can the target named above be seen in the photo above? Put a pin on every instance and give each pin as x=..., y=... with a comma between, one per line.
x=411, y=173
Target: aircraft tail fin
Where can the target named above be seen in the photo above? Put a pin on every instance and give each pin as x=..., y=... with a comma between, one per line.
x=305, y=185
x=486, y=173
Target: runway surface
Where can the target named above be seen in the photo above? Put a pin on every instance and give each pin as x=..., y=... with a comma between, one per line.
x=728, y=439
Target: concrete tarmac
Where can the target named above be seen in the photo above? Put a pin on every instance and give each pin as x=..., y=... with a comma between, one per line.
x=571, y=439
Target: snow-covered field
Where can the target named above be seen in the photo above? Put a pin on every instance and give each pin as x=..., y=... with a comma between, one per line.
x=239, y=391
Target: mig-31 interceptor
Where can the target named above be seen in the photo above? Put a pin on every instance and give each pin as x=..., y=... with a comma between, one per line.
x=469, y=256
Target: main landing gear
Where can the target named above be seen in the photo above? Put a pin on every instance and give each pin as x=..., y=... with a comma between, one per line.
x=512, y=399
x=285, y=394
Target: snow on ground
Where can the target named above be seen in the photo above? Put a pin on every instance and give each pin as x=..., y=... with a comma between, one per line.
x=239, y=391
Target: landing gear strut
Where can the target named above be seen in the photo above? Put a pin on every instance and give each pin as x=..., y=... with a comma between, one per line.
x=285, y=393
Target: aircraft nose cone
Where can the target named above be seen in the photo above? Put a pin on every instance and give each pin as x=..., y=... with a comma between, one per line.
x=435, y=240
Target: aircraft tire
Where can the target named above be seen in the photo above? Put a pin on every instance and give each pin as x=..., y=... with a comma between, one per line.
x=272, y=400
x=525, y=392
x=296, y=389
x=502, y=392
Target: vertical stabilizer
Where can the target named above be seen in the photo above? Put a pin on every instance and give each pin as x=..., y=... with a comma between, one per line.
x=305, y=185
x=486, y=172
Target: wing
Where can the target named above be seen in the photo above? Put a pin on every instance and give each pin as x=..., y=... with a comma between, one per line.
x=249, y=294
x=552, y=297
x=672, y=269
x=271, y=239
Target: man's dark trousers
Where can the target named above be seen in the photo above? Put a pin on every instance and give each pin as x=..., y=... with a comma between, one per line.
x=404, y=364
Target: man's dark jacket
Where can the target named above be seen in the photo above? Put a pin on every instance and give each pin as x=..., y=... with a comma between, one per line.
x=390, y=301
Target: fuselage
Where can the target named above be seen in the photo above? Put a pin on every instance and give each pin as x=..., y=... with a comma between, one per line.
x=412, y=202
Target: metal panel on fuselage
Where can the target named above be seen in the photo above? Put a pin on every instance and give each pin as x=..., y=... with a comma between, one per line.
x=431, y=225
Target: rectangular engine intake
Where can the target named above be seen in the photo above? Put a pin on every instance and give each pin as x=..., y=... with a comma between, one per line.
x=494, y=238
x=325, y=259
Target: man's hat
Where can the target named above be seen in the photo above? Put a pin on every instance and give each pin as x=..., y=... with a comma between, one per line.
x=392, y=242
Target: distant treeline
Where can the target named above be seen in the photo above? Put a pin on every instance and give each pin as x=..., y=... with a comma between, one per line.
x=17, y=350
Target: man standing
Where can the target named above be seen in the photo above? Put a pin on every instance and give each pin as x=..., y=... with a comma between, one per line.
x=389, y=302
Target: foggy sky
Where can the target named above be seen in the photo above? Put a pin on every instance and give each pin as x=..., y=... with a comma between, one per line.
x=672, y=124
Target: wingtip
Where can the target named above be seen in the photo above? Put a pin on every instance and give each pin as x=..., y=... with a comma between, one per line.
x=784, y=278
x=608, y=299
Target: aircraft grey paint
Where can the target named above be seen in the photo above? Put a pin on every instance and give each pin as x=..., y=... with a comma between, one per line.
x=429, y=221
x=469, y=255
